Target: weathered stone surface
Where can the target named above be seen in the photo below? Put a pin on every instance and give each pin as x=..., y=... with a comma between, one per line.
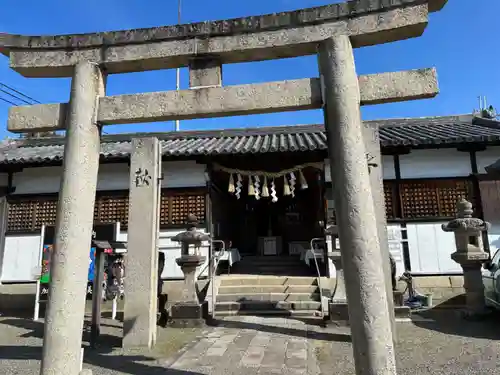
x=355, y=211
x=399, y=86
x=75, y=215
x=372, y=147
x=338, y=313
x=268, y=97
x=139, y=327
x=205, y=72
x=233, y=26
x=162, y=48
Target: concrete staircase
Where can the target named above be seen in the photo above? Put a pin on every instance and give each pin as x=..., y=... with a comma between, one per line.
x=267, y=295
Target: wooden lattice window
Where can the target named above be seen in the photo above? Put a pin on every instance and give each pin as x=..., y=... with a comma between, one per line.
x=433, y=198
x=389, y=196
x=28, y=215
x=165, y=213
x=46, y=212
x=20, y=216
x=175, y=208
x=112, y=208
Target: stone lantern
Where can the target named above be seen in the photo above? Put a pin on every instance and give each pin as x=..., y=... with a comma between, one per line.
x=470, y=254
x=188, y=311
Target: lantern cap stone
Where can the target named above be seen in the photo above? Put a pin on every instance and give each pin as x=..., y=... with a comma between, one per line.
x=464, y=221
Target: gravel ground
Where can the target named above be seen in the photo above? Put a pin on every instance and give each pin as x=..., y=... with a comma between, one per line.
x=439, y=343
x=435, y=343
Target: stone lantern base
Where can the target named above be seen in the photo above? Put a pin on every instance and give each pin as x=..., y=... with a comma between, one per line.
x=188, y=312
x=473, y=282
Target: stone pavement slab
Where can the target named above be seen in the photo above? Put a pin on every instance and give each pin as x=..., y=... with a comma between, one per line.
x=252, y=345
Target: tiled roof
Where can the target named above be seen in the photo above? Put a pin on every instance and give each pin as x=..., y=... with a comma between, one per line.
x=415, y=133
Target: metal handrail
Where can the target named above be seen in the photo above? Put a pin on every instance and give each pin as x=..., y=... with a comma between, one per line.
x=216, y=258
x=210, y=259
x=319, y=274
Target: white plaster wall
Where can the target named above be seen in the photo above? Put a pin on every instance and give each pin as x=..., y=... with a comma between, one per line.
x=37, y=180
x=487, y=157
x=395, y=243
x=430, y=249
x=395, y=240
x=494, y=236
x=387, y=168
x=177, y=174
x=111, y=177
x=172, y=251
x=435, y=163
x=21, y=256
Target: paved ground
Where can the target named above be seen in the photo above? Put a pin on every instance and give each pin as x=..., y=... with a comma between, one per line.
x=441, y=343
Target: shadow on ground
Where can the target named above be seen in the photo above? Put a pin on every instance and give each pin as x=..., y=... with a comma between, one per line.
x=108, y=355
x=452, y=322
x=309, y=333
x=127, y=364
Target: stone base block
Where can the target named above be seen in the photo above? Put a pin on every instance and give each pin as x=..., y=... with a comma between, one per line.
x=339, y=314
x=398, y=298
x=402, y=312
x=338, y=311
x=186, y=315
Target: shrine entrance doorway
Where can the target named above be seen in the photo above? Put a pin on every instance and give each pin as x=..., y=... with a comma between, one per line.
x=276, y=217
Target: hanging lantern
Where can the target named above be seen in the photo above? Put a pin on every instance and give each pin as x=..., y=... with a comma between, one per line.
x=239, y=185
x=265, y=190
x=256, y=185
x=274, y=196
x=231, y=189
x=292, y=184
x=251, y=190
x=286, y=187
x=303, y=181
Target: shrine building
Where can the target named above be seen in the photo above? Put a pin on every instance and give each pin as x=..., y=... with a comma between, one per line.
x=266, y=192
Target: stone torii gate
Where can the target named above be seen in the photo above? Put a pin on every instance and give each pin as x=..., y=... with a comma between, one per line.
x=331, y=32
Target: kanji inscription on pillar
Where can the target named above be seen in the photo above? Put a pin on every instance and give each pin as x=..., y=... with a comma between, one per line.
x=142, y=177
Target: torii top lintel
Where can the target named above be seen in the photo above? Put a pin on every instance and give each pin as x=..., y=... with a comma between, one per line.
x=254, y=38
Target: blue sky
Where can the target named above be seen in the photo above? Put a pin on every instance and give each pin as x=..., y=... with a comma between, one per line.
x=461, y=42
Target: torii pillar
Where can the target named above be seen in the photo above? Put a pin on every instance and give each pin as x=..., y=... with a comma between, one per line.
x=62, y=340
x=362, y=260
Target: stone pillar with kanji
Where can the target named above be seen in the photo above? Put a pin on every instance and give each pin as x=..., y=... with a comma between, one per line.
x=470, y=254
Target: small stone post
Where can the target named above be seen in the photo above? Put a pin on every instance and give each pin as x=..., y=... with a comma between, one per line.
x=337, y=307
x=340, y=295
x=141, y=286
x=470, y=255
x=62, y=341
x=188, y=312
x=370, y=322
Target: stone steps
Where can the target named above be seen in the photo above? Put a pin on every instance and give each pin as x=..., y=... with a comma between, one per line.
x=267, y=295
x=270, y=297
x=281, y=313
x=267, y=289
x=272, y=265
x=249, y=280
x=268, y=305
